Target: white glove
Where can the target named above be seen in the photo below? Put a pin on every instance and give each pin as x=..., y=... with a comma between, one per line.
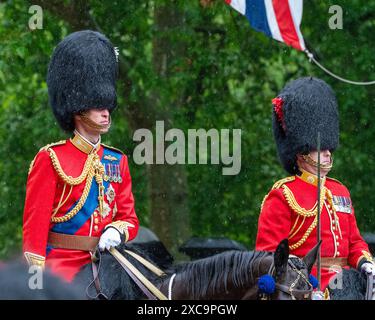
x=368, y=268
x=110, y=238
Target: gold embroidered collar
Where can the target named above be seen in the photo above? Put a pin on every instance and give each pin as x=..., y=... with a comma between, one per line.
x=310, y=178
x=81, y=143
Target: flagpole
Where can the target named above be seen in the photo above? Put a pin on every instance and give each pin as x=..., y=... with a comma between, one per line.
x=318, y=216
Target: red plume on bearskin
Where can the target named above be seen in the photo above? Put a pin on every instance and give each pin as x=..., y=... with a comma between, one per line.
x=278, y=107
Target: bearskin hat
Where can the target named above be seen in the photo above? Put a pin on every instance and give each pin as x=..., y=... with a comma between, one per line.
x=81, y=76
x=303, y=108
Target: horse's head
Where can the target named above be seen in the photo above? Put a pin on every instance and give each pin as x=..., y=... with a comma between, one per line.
x=291, y=274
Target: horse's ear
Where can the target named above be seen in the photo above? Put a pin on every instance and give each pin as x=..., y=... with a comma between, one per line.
x=281, y=257
x=311, y=256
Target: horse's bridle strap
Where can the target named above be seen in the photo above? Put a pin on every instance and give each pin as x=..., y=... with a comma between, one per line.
x=296, y=293
x=146, y=286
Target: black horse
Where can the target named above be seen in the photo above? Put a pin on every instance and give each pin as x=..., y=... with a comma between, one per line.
x=348, y=285
x=229, y=275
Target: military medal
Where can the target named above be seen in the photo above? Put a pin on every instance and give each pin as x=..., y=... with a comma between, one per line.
x=119, y=174
x=115, y=173
x=342, y=204
x=110, y=194
x=109, y=173
x=106, y=177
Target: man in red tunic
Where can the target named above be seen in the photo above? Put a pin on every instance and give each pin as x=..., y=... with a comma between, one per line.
x=304, y=107
x=79, y=191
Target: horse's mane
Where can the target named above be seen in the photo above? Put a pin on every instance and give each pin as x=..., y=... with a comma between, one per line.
x=210, y=274
x=213, y=273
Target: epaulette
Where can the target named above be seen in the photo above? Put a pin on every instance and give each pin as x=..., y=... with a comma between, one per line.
x=52, y=145
x=112, y=148
x=45, y=148
x=329, y=178
x=279, y=183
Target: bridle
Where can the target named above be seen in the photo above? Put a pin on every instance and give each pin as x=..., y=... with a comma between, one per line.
x=95, y=270
x=295, y=294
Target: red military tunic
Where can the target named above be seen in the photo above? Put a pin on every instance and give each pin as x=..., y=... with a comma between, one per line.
x=55, y=202
x=289, y=211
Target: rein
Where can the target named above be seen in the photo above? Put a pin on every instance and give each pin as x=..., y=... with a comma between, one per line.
x=146, y=263
x=144, y=284
x=95, y=271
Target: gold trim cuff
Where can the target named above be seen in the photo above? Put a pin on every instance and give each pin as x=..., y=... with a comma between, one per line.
x=365, y=255
x=122, y=227
x=35, y=259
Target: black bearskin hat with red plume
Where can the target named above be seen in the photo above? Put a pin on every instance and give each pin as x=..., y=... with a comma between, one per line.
x=82, y=76
x=303, y=108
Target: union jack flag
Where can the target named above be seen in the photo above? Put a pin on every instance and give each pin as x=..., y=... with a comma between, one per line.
x=278, y=19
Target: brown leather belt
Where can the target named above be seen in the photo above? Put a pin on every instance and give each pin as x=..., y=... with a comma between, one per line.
x=73, y=242
x=330, y=262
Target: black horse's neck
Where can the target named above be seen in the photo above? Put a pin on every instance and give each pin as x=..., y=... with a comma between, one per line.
x=229, y=275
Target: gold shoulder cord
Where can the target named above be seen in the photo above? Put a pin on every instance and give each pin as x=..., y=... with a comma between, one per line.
x=277, y=185
x=69, y=179
x=281, y=182
x=44, y=148
x=329, y=178
x=305, y=236
x=92, y=168
x=304, y=213
x=293, y=204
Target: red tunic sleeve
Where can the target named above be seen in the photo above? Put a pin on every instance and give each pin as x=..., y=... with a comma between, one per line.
x=126, y=217
x=274, y=222
x=358, y=248
x=40, y=194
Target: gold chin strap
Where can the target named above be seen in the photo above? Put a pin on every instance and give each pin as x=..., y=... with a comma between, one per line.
x=93, y=124
x=307, y=158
